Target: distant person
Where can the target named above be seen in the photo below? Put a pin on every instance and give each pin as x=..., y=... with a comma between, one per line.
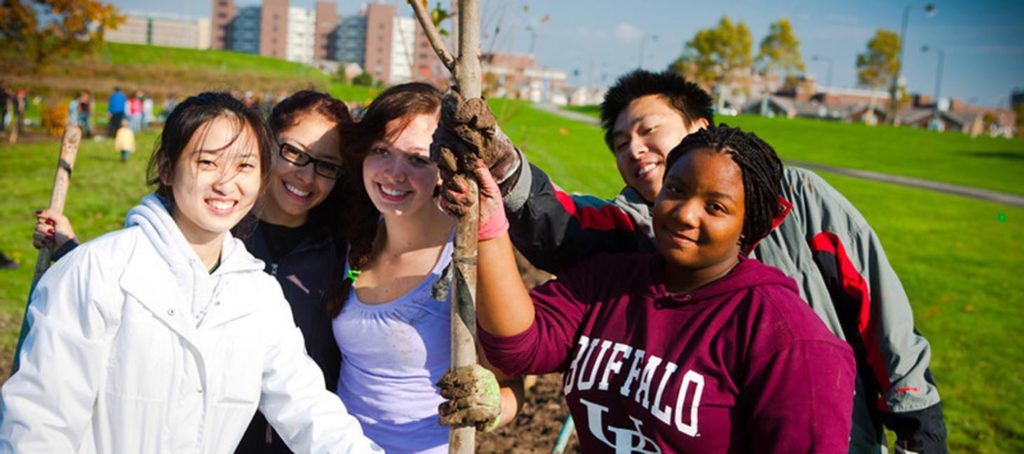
x=169, y=106
x=84, y=109
x=124, y=142
x=249, y=101
x=115, y=109
x=73, y=112
x=824, y=244
x=5, y=99
x=7, y=263
x=147, y=111
x=135, y=111
x=19, y=106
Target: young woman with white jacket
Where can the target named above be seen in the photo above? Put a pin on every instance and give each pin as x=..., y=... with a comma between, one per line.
x=167, y=335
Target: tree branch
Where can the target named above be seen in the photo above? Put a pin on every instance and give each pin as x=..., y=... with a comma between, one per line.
x=432, y=35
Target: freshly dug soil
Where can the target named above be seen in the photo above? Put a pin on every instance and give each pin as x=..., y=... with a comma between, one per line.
x=538, y=423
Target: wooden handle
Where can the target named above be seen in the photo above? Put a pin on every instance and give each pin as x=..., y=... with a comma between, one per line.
x=61, y=180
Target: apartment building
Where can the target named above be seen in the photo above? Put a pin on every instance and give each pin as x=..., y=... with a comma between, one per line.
x=244, y=35
x=224, y=13
x=393, y=48
x=326, y=14
x=300, y=35
x=162, y=30
x=350, y=40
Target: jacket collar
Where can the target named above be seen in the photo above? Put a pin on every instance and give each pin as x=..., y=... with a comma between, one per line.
x=148, y=279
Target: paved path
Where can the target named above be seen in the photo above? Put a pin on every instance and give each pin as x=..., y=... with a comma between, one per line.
x=966, y=191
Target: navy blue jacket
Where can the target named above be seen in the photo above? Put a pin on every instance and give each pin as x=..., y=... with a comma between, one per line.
x=305, y=275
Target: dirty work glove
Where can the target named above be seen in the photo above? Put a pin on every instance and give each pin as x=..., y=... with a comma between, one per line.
x=469, y=129
x=473, y=398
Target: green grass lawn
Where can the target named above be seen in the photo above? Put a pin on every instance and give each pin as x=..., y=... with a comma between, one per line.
x=982, y=162
x=956, y=256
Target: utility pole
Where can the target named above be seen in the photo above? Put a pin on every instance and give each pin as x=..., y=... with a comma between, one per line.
x=828, y=73
x=938, y=78
x=894, y=102
x=643, y=40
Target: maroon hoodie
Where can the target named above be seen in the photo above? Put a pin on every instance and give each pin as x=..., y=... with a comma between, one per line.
x=739, y=365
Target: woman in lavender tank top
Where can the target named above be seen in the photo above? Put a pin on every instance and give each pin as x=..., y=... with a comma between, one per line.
x=393, y=334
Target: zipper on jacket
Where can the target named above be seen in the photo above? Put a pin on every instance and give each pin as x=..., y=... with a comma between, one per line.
x=273, y=269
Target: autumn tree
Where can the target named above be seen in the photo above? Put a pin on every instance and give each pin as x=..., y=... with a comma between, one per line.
x=719, y=56
x=33, y=33
x=879, y=63
x=780, y=50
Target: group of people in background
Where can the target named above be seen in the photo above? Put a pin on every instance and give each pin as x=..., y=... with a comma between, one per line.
x=280, y=290
x=137, y=110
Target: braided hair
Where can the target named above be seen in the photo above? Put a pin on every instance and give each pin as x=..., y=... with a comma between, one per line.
x=761, y=169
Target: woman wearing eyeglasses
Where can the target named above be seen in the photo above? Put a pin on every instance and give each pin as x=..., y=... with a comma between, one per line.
x=295, y=229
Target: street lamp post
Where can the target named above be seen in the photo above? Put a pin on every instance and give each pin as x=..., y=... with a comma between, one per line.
x=930, y=9
x=533, y=37
x=643, y=40
x=938, y=76
x=827, y=60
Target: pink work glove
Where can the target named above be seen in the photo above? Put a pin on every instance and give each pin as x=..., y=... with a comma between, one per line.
x=493, y=221
x=455, y=200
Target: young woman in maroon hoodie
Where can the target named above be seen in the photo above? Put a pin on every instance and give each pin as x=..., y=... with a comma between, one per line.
x=693, y=349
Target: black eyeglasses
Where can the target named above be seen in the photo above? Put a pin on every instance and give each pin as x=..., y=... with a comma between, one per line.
x=300, y=158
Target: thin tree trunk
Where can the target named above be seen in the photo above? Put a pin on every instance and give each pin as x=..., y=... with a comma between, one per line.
x=466, y=69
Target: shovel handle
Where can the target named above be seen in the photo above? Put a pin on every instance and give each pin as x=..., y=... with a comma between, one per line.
x=61, y=181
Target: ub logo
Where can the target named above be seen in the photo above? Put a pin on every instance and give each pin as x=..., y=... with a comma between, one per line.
x=623, y=440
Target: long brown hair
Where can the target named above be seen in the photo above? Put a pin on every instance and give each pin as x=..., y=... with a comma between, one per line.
x=364, y=229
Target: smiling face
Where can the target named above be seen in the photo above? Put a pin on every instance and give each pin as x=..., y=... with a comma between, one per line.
x=698, y=216
x=293, y=190
x=398, y=174
x=643, y=135
x=216, y=180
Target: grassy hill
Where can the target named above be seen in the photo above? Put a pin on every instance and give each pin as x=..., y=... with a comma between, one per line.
x=163, y=72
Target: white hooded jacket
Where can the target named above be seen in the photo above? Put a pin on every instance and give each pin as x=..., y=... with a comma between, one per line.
x=135, y=347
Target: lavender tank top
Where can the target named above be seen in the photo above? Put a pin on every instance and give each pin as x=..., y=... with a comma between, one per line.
x=392, y=354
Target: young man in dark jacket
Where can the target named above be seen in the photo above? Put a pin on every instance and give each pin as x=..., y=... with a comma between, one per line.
x=824, y=244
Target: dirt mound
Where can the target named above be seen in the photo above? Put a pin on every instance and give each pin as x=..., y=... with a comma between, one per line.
x=538, y=423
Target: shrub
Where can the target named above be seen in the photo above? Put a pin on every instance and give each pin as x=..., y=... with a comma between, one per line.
x=54, y=118
x=365, y=79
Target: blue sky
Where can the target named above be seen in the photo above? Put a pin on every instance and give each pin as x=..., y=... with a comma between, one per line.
x=983, y=40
